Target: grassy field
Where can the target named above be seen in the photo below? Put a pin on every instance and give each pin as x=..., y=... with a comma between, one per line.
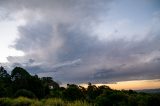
x=22, y=101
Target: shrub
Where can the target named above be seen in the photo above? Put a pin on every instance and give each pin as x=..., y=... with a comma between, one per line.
x=36, y=103
x=54, y=102
x=78, y=103
x=22, y=101
x=114, y=99
x=5, y=102
x=24, y=93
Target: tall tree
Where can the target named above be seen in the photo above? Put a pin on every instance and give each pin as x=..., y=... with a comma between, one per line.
x=73, y=92
x=5, y=83
x=20, y=77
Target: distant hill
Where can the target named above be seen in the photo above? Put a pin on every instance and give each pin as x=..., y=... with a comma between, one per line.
x=149, y=90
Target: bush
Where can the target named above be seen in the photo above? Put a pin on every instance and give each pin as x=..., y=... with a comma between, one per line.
x=37, y=103
x=22, y=101
x=24, y=93
x=5, y=102
x=116, y=98
x=154, y=100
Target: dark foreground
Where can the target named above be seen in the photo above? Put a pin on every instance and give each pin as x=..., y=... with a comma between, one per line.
x=22, y=89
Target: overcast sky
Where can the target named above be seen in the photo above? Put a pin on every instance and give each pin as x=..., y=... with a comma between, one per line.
x=77, y=41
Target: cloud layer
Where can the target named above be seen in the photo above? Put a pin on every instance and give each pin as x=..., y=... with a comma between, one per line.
x=60, y=39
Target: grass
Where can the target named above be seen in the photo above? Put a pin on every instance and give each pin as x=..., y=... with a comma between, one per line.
x=78, y=103
x=54, y=102
x=23, y=101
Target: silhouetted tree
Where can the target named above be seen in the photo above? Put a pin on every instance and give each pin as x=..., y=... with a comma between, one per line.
x=154, y=100
x=48, y=81
x=23, y=80
x=20, y=78
x=49, y=85
x=91, y=92
x=72, y=92
x=37, y=87
x=5, y=83
x=114, y=98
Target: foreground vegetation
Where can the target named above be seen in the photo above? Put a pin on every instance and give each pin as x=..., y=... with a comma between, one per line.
x=22, y=89
x=23, y=101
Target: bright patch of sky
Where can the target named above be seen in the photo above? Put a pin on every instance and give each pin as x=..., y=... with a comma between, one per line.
x=8, y=33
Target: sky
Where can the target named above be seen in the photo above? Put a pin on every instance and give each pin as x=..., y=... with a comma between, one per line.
x=114, y=42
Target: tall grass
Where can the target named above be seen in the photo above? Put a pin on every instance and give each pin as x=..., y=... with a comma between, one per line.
x=5, y=102
x=54, y=102
x=78, y=103
x=23, y=101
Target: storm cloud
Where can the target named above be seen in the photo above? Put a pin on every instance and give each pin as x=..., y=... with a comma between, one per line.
x=60, y=39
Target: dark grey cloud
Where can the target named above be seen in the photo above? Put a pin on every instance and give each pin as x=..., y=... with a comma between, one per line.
x=139, y=72
x=32, y=34
x=58, y=40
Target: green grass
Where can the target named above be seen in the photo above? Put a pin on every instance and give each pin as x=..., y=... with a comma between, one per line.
x=54, y=102
x=23, y=101
x=78, y=103
x=5, y=101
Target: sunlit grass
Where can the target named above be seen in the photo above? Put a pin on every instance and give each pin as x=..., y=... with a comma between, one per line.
x=22, y=101
x=5, y=101
x=78, y=103
x=54, y=102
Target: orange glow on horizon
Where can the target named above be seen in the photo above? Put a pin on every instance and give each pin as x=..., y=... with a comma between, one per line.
x=135, y=85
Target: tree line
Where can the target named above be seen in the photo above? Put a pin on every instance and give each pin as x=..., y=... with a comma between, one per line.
x=21, y=83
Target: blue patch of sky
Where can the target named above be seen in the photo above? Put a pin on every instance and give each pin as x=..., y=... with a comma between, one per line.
x=139, y=11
